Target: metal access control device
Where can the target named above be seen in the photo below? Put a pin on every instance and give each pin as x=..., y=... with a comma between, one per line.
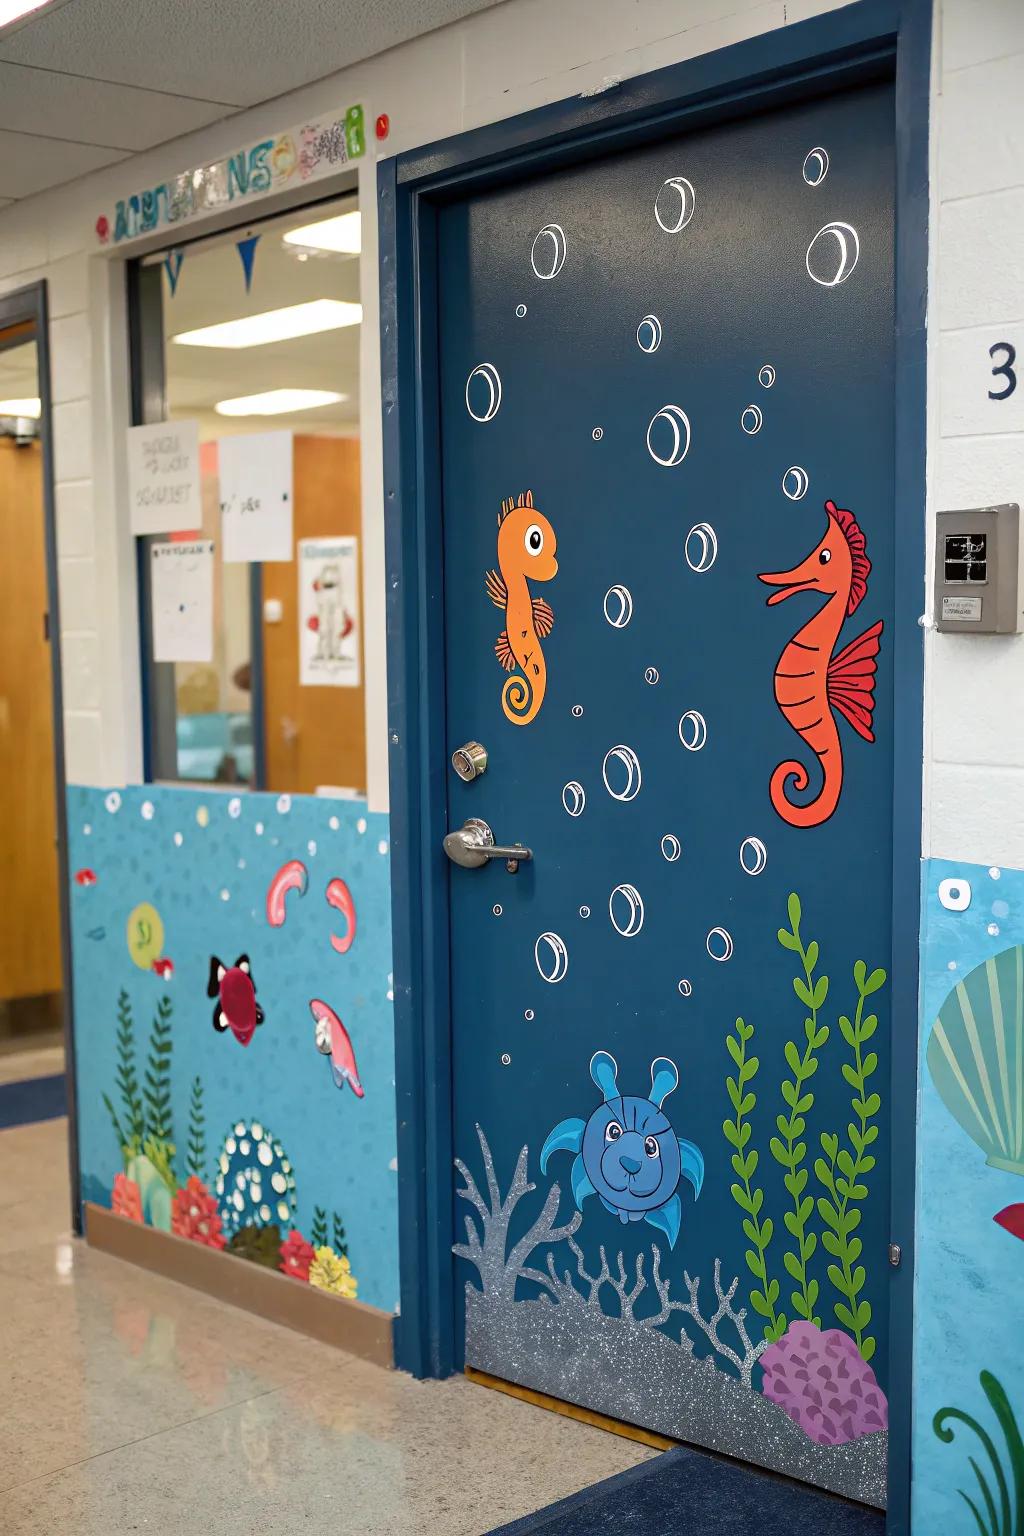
x=977, y=571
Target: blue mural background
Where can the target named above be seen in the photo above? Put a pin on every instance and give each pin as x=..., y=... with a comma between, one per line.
x=969, y=1268
x=204, y=860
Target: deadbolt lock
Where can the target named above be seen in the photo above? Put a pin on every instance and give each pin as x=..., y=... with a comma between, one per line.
x=470, y=761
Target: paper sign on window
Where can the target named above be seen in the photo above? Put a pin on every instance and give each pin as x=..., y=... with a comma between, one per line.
x=163, y=478
x=182, y=600
x=329, y=612
x=256, y=496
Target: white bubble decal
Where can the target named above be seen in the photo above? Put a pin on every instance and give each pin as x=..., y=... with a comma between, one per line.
x=506, y=1059
x=497, y=909
x=815, y=166
x=576, y=711
x=833, y=254
x=753, y=856
x=693, y=730
x=674, y=205
x=617, y=759
x=618, y=606
x=795, y=482
x=766, y=375
x=955, y=894
x=234, y=807
x=673, y=435
x=648, y=334
x=574, y=797
x=520, y=310
x=685, y=988
x=552, y=958
x=751, y=420
x=670, y=847
x=719, y=944
x=584, y=912
x=626, y=910
x=597, y=434
x=547, y=254
x=489, y=380
x=147, y=810
x=701, y=547
x=113, y=802
x=651, y=675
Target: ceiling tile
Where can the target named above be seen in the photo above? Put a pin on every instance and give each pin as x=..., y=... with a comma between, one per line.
x=63, y=106
x=30, y=164
x=233, y=51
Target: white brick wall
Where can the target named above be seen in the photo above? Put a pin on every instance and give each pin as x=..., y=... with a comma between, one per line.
x=974, y=808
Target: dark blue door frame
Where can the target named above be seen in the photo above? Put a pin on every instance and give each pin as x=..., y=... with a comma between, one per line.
x=873, y=39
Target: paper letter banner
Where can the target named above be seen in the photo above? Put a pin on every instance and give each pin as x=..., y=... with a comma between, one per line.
x=329, y=612
x=256, y=497
x=163, y=478
x=182, y=597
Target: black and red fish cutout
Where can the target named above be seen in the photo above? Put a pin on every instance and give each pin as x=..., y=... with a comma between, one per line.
x=236, y=1007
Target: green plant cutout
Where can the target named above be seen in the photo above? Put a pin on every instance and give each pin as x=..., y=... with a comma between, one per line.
x=787, y=1148
x=1008, y=1518
x=318, y=1235
x=842, y=1170
x=748, y=1196
x=156, y=1091
x=196, y=1161
x=340, y=1240
x=131, y=1132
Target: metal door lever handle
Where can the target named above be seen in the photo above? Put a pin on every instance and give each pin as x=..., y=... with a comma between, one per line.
x=472, y=845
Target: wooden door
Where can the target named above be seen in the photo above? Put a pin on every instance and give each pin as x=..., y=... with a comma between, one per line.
x=314, y=735
x=30, y=958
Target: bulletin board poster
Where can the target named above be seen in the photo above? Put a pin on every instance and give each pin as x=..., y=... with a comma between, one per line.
x=329, y=612
x=181, y=591
x=256, y=470
x=163, y=478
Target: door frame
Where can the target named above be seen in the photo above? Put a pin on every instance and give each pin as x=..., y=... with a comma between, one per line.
x=31, y=304
x=868, y=40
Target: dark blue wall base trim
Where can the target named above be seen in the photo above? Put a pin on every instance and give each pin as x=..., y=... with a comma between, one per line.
x=33, y=1099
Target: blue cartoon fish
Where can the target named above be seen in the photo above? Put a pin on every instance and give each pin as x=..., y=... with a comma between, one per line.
x=627, y=1152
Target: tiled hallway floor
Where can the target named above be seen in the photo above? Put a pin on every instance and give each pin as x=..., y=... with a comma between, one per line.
x=129, y=1403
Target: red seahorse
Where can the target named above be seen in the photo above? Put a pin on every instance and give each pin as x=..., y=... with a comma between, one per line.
x=526, y=552
x=810, y=682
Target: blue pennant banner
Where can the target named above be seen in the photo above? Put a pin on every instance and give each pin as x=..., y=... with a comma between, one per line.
x=172, y=266
x=247, y=251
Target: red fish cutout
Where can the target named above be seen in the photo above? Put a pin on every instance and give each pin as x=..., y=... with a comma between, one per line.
x=236, y=1008
x=163, y=968
x=85, y=877
x=332, y=1039
x=1011, y=1219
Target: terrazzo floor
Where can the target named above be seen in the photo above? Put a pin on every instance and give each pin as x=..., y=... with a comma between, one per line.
x=130, y=1403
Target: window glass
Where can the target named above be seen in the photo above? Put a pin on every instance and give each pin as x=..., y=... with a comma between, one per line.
x=258, y=333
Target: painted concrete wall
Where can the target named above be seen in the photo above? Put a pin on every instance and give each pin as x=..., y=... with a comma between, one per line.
x=523, y=54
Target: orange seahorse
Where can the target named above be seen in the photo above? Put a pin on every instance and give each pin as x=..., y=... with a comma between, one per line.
x=526, y=552
x=810, y=682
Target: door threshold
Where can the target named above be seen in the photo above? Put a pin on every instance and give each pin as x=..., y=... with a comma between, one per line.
x=571, y=1410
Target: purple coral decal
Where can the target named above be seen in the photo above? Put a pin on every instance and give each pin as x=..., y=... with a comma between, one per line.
x=824, y=1384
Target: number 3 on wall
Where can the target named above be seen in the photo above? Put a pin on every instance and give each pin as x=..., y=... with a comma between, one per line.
x=1003, y=370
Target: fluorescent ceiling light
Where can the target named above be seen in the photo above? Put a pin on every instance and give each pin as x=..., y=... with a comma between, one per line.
x=275, y=325
x=13, y=10
x=30, y=407
x=278, y=402
x=343, y=234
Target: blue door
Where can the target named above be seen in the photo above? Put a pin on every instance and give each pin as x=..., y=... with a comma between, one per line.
x=667, y=421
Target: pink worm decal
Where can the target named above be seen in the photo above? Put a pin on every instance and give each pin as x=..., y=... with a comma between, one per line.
x=290, y=877
x=340, y=897
x=343, y=1057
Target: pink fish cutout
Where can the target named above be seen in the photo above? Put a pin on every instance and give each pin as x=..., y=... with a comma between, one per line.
x=290, y=877
x=340, y=897
x=332, y=1039
x=85, y=877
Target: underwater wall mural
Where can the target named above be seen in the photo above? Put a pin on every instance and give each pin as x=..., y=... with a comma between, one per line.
x=250, y=1151
x=770, y=1361
x=969, y=1343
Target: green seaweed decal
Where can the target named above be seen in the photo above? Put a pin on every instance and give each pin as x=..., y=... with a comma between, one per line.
x=748, y=1196
x=788, y=1148
x=196, y=1161
x=131, y=1133
x=842, y=1168
x=1008, y=1494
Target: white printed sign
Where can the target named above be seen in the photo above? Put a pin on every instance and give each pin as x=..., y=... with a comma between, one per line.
x=256, y=496
x=181, y=589
x=163, y=478
x=329, y=612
